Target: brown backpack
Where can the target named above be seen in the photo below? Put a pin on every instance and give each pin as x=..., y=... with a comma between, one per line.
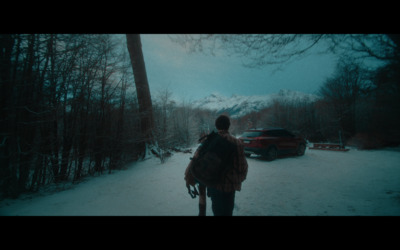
x=215, y=158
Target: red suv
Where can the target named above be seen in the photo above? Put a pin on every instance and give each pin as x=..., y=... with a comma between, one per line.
x=272, y=142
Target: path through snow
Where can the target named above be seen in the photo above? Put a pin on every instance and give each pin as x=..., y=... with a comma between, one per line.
x=318, y=183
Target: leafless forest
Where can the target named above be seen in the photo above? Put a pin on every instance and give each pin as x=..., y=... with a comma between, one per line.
x=69, y=108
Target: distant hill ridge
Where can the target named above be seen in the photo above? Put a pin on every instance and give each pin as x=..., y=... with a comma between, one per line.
x=237, y=106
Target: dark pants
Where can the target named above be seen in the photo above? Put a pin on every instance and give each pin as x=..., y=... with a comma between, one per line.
x=222, y=202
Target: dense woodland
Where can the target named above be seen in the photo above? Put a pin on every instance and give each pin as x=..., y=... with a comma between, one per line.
x=357, y=106
x=69, y=109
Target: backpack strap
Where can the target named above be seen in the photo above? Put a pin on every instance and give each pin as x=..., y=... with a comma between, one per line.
x=202, y=138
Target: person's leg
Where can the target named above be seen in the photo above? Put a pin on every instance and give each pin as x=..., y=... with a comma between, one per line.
x=202, y=200
x=222, y=202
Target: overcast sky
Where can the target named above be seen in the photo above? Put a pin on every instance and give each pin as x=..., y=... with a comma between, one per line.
x=192, y=76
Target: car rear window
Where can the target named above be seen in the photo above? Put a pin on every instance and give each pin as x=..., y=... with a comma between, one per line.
x=252, y=134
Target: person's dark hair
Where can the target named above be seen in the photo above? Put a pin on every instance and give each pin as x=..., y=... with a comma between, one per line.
x=222, y=122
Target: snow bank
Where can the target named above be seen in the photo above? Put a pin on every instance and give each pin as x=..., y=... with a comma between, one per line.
x=318, y=183
x=324, y=183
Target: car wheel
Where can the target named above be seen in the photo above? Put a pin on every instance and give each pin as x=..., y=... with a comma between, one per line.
x=301, y=149
x=271, y=154
x=247, y=155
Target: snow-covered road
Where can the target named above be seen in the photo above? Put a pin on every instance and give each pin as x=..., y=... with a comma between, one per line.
x=318, y=183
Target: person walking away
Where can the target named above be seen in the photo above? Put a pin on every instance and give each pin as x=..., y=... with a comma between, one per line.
x=223, y=194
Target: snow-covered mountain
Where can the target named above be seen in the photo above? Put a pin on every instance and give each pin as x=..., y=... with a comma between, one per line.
x=238, y=106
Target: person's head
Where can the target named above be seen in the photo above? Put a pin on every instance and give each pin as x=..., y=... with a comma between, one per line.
x=222, y=122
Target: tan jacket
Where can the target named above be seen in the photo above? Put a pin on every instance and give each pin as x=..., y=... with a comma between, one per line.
x=234, y=178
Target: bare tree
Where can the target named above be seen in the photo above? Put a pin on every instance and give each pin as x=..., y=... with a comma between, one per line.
x=163, y=109
x=342, y=91
x=184, y=125
x=256, y=50
x=134, y=45
x=383, y=47
x=260, y=50
x=59, y=109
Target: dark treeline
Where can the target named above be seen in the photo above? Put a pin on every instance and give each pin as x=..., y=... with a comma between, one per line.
x=67, y=109
x=359, y=106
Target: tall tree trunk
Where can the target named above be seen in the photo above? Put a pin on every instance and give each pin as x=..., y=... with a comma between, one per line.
x=8, y=137
x=26, y=119
x=142, y=87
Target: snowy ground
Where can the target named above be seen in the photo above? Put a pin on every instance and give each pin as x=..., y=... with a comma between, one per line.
x=319, y=183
